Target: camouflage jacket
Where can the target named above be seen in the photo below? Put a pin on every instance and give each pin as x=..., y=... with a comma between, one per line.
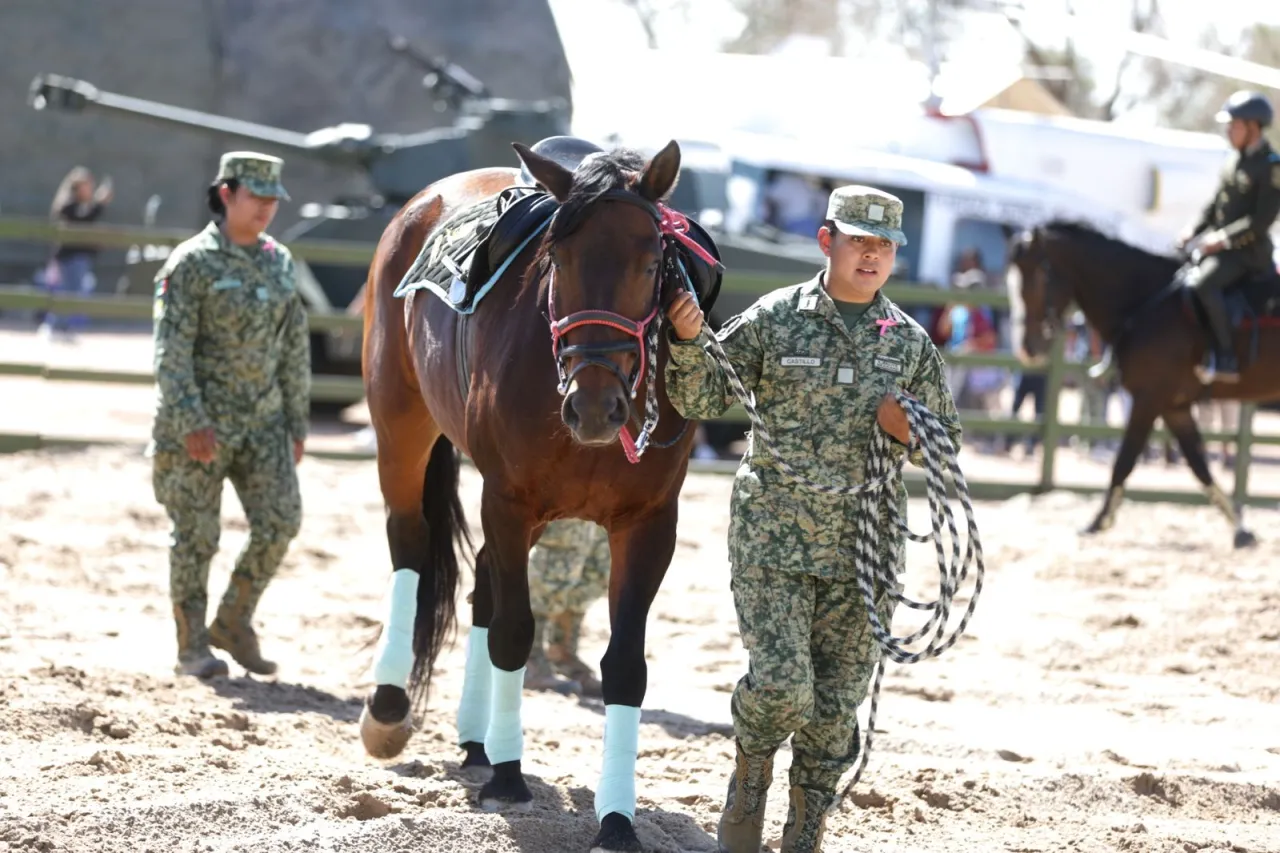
x=817, y=387
x=1247, y=204
x=232, y=349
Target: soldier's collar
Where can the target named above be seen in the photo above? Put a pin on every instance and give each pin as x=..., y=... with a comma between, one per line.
x=225, y=244
x=814, y=299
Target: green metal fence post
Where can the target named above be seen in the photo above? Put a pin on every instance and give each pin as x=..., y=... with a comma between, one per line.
x=1244, y=454
x=1052, y=428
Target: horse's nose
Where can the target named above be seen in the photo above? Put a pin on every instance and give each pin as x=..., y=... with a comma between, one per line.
x=595, y=418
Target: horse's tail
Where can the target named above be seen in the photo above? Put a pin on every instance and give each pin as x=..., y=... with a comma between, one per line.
x=436, y=616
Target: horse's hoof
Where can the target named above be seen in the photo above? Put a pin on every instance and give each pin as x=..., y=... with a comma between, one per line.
x=507, y=790
x=1093, y=527
x=476, y=756
x=1245, y=539
x=385, y=722
x=616, y=835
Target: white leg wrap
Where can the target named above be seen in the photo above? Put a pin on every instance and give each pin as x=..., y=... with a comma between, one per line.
x=617, y=789
x=504, y=740
x=477, y=688
x=393, y=657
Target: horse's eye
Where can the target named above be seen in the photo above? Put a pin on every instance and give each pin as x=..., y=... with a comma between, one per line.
x=653, y=269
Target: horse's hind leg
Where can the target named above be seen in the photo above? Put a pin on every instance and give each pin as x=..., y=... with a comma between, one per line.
x=1142, y=418
x=405, y=441
x=1183, y=425
x=474, y=706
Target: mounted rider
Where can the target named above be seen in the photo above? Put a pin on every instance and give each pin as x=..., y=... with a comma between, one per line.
x=1234, y=224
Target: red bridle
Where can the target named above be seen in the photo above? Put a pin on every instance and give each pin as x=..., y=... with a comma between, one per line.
x=671, y=225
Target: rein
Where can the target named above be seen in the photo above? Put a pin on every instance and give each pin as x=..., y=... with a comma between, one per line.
x=672, y=225
x=883, y=474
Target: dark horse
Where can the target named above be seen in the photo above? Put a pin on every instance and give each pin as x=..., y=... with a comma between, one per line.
x=1148, y=320
x=555, y=352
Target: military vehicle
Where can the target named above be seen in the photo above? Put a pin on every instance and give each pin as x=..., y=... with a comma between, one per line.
x=398, y=166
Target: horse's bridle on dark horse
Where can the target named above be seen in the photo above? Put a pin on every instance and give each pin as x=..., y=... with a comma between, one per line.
x=673, y=226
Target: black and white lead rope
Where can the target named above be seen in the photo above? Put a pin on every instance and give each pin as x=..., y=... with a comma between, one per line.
x=875, y=493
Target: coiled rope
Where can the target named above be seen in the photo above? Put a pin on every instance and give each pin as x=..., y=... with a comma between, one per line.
x=877, y=491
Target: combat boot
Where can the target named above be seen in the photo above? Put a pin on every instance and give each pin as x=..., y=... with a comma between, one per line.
x=741, y=826
x=806, y=820
x=194, y=656
x=232, y=629
x=562, y=651
x=538, y=673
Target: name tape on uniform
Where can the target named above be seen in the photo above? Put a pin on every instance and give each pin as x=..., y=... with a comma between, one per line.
x=888, y=363
x=801, y=361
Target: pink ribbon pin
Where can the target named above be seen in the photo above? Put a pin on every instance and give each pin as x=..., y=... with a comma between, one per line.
x=885, y=324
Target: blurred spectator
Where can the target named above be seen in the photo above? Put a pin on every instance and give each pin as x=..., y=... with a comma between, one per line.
x=794, y=204
x=70, y=270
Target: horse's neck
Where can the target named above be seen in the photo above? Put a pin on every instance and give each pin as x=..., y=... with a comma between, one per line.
x=1111, y=297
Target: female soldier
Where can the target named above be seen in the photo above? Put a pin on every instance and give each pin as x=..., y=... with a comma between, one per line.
x=232, y=365
x=821, y=359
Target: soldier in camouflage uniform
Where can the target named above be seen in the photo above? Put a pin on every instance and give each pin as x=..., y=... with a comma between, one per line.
x=1240, y=215
x=232, y=366
x=821, y=359
x=568, y=570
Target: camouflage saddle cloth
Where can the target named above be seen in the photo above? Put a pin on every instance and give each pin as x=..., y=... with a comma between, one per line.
x=467, y=253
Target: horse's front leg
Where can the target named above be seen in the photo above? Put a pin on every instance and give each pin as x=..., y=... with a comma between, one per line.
x=640, y=556
x=1142, y=418
x=506, y=537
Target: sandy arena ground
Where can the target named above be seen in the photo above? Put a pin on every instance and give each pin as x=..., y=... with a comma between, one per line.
x=1112, y=693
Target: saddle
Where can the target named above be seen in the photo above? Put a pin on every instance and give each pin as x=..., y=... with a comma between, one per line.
x=1252, y=302
x=1251, y=299
x=470, y=251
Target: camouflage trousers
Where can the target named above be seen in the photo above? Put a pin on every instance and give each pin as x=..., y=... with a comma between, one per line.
x=261, y=470
x=568, y=570
x=811, y=658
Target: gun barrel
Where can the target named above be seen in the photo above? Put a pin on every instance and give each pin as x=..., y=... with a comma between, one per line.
x=53, y=91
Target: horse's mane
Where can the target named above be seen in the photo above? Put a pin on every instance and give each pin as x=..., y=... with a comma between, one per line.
x=619, y=168
x=1079, y=230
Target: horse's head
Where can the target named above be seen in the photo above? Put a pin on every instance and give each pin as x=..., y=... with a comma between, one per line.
x=602, y=265
x=1037, y=300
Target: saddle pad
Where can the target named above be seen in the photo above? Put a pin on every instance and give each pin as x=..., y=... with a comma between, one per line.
x=467, y=253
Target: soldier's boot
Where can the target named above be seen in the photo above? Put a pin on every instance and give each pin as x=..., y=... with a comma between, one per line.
x=194, y=656
x=1225, y=367
x=538, y=673
x=806, y=820
x=232, y=628
x=741, y=828
x=562, y=651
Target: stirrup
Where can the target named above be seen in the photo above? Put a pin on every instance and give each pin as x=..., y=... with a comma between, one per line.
x=1210, y=372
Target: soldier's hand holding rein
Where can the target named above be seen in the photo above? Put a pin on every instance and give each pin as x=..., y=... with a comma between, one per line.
x=685, y=316
x=893, y=419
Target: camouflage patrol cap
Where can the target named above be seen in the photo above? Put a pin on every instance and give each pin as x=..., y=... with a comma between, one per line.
x=867, y=211
x=258, y=173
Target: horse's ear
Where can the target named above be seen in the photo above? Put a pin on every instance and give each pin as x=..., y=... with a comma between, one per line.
x=660, y=175
x=555, y=178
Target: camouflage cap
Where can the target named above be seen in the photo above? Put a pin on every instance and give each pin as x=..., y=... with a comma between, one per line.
x=867, y=211
x=258, y=173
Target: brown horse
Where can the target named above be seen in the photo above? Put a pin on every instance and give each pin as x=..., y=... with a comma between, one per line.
x=556, y=353
x=1146, y=317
